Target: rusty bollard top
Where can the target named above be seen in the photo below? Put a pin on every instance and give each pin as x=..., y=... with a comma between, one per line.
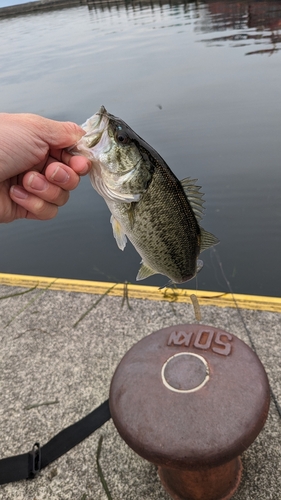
x=189, y=396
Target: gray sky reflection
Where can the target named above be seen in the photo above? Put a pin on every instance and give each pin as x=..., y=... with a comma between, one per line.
x=219, y=122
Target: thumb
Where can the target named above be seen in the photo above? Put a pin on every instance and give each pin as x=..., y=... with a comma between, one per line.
x=60, y=134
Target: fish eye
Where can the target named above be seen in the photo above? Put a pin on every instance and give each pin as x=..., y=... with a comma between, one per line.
x=121, y=137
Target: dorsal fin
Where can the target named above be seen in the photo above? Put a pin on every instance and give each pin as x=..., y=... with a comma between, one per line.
x=194, y=196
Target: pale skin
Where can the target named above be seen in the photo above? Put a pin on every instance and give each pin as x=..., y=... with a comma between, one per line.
x=36, y=172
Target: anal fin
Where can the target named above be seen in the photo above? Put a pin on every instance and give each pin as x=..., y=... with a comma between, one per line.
x=145, y=272
x=207, y=239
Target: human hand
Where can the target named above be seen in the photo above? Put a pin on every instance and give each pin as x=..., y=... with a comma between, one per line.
x=36, y=173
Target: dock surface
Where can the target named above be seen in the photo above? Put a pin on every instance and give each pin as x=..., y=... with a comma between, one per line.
x=61, y=341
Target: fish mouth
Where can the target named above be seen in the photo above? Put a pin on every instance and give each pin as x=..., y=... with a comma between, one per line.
x=94, y=127
x=95, y=120
x=102, y=111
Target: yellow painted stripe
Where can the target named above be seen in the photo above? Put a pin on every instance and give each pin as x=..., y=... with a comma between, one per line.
x=255, y=302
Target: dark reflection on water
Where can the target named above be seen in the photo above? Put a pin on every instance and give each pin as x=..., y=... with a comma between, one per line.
x=259, y=21
x=169, y=70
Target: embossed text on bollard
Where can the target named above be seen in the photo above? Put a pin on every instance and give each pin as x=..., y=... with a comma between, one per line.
x=216, y=341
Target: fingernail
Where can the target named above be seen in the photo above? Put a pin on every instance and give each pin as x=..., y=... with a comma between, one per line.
x=37, y=182
x=60, y=175
x=19, y=192
x=89, y=164
x=86, y=169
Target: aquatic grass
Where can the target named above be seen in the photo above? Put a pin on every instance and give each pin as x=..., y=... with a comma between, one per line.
x=100, y=473
x=171, y=293
x=173, y=296
x=32, y=330
x=126, y=296
x=45, y=403
x=124, y=300
x=94, y=305
x=173, y=308
x=16, y=294
x=108, y=277
x=30, y=302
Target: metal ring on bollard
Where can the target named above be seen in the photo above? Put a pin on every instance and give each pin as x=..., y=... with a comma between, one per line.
x=178, y=379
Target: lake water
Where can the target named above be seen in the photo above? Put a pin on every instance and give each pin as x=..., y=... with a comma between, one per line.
x=201, y=82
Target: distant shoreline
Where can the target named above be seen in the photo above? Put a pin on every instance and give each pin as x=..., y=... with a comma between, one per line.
x=29, y=7
x=45, y=5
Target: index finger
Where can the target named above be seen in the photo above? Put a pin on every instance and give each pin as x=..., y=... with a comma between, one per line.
x=80, y=164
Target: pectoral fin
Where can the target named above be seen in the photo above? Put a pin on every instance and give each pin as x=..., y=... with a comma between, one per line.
x=145, y=272
x=118, y=233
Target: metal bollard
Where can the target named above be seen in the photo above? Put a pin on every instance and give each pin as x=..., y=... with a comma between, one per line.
x=191, y=399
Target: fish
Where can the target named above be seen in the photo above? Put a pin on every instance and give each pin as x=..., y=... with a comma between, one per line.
x=149, y=206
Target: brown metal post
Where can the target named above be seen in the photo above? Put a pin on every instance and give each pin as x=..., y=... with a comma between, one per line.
x=191, y=399
x=207, y=484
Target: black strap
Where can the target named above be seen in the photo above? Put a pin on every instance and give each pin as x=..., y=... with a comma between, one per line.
x=26, y=466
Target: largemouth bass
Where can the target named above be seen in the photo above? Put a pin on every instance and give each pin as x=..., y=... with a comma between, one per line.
x=159, y=214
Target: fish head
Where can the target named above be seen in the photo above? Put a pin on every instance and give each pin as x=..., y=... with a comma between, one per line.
x=121, y=168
